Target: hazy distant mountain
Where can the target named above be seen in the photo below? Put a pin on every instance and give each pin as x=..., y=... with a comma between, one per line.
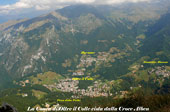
x=158, y=39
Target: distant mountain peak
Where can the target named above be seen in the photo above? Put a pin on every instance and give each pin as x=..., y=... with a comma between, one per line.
x=75, y=11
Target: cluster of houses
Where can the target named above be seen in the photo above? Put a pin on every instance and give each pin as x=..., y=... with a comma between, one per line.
x=69, y=85
x=160, y=71
x=87, y=60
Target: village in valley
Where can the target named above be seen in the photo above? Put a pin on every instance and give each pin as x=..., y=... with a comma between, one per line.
x=96, y=87
x=69, y=85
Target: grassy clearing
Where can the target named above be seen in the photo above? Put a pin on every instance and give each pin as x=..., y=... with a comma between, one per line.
x=38, y=94
x=46, y=78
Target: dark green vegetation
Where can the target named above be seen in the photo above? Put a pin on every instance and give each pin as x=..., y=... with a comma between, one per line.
x=36, y=55
x=156, y=103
